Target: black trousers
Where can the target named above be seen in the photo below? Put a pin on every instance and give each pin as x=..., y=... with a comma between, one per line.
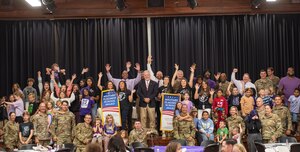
x=158, y=114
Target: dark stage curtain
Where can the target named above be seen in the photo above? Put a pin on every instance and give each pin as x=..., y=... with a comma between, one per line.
x=29, y=46
x=220, y=43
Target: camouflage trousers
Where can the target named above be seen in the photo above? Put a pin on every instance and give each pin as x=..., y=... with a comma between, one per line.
x=11, y=144
x=80, y=148
x=63, y=140
x=24, y=139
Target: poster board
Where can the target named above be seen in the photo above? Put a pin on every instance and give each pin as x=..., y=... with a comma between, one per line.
x=110, y=105
x=168, y=105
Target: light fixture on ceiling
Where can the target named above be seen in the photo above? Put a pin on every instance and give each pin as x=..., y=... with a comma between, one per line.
x=271, y=0
x=34, y=3
x=50, y=5
x=120, y=4
x=256, y=3
x=192, y=3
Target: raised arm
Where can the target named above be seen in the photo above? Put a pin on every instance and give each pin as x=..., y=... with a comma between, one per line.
x=192, y=69
x=130, y=98
x=175, y=74
x=236, y=82
x=149, y=61
x=139, y=76
x=196, y=94
x=109, y=76
x=99, y=81
x=40, y=82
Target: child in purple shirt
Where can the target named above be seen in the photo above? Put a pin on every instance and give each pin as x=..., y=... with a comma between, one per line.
x=86, y=104
x=187, y=101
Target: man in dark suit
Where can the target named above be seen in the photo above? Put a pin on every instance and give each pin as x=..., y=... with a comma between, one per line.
x=147, y=92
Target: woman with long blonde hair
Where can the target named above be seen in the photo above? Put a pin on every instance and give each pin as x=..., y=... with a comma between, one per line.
x=110, y=129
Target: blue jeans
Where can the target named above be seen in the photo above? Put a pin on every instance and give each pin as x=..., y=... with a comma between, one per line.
x=294, y=117
x=94, y=111
x=204, y=137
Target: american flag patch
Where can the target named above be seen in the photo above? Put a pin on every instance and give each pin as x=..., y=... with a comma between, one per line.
x=111, y=109
x=167, y=112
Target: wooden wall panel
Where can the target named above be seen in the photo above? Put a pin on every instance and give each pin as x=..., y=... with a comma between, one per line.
x=138, y=8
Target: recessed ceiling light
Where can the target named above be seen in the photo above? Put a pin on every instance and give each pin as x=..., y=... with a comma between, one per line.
x=271, y=0
x=34, y=3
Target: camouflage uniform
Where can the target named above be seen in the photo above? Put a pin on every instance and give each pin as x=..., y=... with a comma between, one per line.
x=263, y=84
x=285, y=115
x=224, y=86
x=138, y=136
x=261, y=112
x=271, y=126
x=62, y=127
x=11, y=130
x=275, y=80
x=40, y=124
x=82, y=133
x=183, y=130
x=233, y=122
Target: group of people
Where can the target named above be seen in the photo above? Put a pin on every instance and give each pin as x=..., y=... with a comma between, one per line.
x=211, y=109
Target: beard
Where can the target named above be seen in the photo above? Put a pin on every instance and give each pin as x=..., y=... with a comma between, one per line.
x=291, y=75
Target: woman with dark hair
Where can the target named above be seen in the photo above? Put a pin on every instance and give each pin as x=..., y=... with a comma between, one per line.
x=203, y=98
x=253, y=126
x=125, y=97
x=116, y=144
x=94, y=93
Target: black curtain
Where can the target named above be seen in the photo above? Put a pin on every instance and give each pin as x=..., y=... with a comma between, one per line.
x=29, y=46
x=220, y=43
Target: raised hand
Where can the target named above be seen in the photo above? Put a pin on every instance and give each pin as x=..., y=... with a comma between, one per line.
x=149, y=59
x=63, y=71
x=128, y=65
x=235, y=70
x=39, y=73
x=212, y=91
x=133, y=91
x=137, y=67
x=74, y=76
x=176, y=66
x=48, y=71
x=192, y=69
x=107, y=67
x=217, y=76
x=100, y=75
x=197, y=86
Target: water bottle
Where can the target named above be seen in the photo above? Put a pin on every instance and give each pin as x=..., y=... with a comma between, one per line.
x=287, y=142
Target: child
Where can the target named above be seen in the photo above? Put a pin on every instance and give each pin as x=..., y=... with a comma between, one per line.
x=247, y=102
x=98, y=131
x=25, y=130
x=86, y=104
x=33, y=105
x=187, y=101
x=222, y=132
x=124, y=136
x=57, y=105
x=110, y=129
x=266, y=98
x=194, y=114
x=235, y=98
x=29, y=89
x=50, y=112
x=294, y=104
x=18, y=106
x=236, y=133
x=220, y=108
x=177, y=109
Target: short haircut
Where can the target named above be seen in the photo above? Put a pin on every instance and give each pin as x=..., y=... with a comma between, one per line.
x=11, y=113
x=297, y=89
x=65, y=101
x=230, y=142
x=26, y=113
x=271, y=68
x=263, y=70
x=205, y=112
x=30, y=80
